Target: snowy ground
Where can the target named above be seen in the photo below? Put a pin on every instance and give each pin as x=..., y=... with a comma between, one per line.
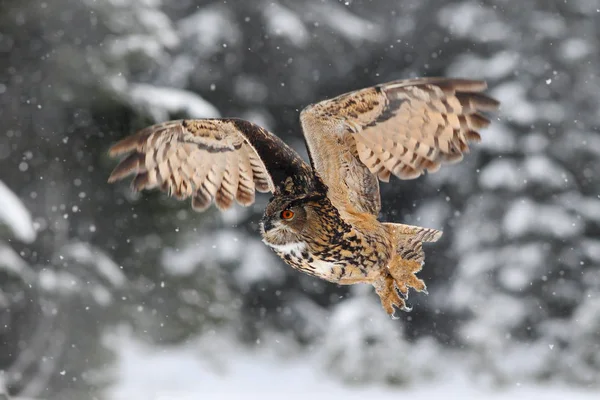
x=183, y=373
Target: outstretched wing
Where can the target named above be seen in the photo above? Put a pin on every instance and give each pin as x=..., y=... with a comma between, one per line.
x=402, y=128
x=206, y=159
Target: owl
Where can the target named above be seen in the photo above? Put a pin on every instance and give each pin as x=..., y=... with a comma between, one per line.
x=323, y=216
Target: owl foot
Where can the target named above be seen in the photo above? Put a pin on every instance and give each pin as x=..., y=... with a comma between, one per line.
x=391, y=296
x=403, y=271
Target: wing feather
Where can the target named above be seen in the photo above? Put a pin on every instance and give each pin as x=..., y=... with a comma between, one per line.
x=246, y=190
x=226, y=193
x=402, y=128
x=218, y=160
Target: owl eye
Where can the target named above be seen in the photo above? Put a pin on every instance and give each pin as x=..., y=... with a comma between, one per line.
x=287, y=214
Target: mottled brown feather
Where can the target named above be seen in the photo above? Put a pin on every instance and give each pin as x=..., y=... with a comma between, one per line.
x=402, y=128
x=211, y=159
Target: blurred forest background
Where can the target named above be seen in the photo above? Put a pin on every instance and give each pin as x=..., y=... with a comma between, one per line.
x=514, y=282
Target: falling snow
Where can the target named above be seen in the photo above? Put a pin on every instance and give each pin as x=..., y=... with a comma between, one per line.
x=107, y=293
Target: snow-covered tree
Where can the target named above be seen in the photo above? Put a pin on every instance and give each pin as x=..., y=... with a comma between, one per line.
x=51, y=312
x=528, y=214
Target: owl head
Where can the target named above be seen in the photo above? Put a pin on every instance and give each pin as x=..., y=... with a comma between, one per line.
x=286, y=218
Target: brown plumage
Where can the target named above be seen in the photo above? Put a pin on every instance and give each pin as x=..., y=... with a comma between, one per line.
x=322, y=218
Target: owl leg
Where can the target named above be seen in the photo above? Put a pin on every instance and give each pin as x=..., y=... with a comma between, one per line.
x=389, y=294
x=409, y=256
x=404, y=273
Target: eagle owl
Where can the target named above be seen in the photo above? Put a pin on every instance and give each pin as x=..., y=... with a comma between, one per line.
x=322, y=218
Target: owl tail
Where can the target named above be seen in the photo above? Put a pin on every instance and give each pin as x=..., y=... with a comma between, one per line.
x=406, y=261
x=409, y=240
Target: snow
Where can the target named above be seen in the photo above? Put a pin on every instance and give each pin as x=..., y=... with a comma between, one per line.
x=524, y=216
x=143, y=17
x=15, y=265
x=591, y=248
x=464, y=19
x=473, y=231
x=515, y=105
x=182, y=262
x=258, y=265
x=15, y=216
x=225, y=246
x=580, y=142
x=498, y=66
x=574, y=49
x=207, y=30
x=518, y=266
x=552, y=111
x=137, y=44
x=430, y=213
x=162, y=102
x=375, y=339
x=141, y=28
x=234, y=215
x=345, y=23
x=191, y=372
x=251, y=90
x=501, y=174
x=514, y=284
x=179, y=71
x=496, y=315
x=498, y=138
x=548, y=24
x=84, y=254
x=546, y=172
x=282, y=22
x=535, y=143
x=588, y=207
x=158, y=23
x=255, y=261
x=587, y=316
x=521, y=265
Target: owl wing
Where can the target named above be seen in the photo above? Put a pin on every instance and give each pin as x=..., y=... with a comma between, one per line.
x=206, y=159
x=402, y=128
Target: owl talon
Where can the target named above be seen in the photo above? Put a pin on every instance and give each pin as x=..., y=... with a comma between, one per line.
x=402, y=294
x=404, y=273
x=391, y=297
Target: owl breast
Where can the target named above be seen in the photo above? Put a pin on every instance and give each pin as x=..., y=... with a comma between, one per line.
x=300, y=257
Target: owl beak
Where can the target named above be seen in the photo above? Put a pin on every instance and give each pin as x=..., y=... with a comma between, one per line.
x=266, y=225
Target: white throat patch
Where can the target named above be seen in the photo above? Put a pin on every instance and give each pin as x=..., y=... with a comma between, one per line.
x=289, y=248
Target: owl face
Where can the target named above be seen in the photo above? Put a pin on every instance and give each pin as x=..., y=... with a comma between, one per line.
x=283, y=221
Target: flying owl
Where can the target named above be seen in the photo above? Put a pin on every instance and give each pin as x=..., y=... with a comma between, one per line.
x=323, y=216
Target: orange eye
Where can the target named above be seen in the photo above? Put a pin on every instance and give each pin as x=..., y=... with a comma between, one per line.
x=287, y=214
